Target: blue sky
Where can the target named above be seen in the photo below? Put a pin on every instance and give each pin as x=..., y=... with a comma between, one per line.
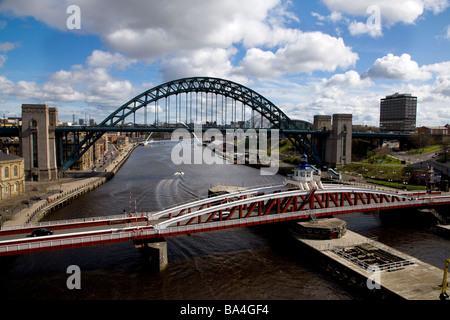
x=307, y=57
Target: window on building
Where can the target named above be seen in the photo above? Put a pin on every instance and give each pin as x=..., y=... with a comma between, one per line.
x=16, y=171
x=6, y=172
x=35, y=150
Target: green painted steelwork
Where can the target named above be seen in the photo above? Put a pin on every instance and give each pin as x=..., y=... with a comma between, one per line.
x=235, y=91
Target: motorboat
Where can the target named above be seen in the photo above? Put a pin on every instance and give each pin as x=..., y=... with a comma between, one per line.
x=179, y=173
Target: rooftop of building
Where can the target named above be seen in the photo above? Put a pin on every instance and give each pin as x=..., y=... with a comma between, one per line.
x=399, y=95
x=8, y=157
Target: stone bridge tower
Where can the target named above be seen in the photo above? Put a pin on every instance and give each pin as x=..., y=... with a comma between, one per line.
x=338, y=145
x=38, y=142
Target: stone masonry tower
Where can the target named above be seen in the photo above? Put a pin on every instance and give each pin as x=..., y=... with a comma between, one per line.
x=38, y=142
x=338, y=145
x=322, y=122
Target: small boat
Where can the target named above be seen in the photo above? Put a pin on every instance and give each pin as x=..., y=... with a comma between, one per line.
x=179, y=173
x=145, y=142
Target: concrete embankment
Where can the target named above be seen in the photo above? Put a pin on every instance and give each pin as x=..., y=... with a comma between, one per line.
x=443, y=230
x=69, y=191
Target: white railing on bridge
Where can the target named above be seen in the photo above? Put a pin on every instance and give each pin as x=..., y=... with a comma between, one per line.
x=78, y=239
x=71, y=221
x=114, y=235
x=199, y=202
x=268, y=196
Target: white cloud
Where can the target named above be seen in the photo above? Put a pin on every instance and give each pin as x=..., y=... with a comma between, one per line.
x=441, y=68
x=5, y=85
x=437, y=6
x=360, y=95
x=3, y=59
x=92, y=85
x=398, y=68
x=159, y=31
x=148, y=29
x=5, y=47
x=442, y=86
x=206, y=62
x=340, y=93
x=405, y=11
x=104, y=59
x=200, y=37
x=341, y=85
x=350, y=79
x=335, y=16
x=306, y=52
x=8, y=46
x=384, y=13
x=357, y=28
x=447, y=33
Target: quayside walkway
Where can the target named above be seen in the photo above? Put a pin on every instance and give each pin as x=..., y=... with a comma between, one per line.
x=406, y=277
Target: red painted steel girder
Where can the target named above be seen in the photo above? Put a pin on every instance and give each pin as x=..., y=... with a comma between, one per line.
x=279, y=203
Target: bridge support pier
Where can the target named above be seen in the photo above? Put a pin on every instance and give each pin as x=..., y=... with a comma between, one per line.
x=154, y=251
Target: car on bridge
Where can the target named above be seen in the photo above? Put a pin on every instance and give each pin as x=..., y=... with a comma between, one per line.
x=41, y=232
x=225, y=215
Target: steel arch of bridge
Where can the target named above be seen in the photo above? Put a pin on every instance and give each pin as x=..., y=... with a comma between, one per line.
x=249, y=97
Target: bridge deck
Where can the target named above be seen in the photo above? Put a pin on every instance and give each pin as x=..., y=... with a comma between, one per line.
x=234, y=210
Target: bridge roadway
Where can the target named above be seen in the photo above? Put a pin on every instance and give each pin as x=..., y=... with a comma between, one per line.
x=238, y=209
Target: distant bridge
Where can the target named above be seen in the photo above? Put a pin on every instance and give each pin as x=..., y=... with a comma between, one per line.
x=212, y=102
x=240, y=209
x=191, y=104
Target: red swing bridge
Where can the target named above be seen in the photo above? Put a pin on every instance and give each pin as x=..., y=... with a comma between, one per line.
x=255, y=206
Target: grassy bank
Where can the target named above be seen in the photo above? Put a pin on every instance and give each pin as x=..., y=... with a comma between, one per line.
x=382, y=159
x=424, y=150
x=397, y=185
x=387, y=175
x=378, y=171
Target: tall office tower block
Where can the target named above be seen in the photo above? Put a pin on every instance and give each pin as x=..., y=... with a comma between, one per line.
x=398, y=113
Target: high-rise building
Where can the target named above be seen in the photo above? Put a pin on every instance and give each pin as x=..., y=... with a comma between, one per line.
x=398, y=113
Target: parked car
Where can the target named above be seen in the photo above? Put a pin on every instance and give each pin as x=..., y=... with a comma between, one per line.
x=41, y=232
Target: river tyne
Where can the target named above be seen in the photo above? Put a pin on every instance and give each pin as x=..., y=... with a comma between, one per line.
x=236, y=264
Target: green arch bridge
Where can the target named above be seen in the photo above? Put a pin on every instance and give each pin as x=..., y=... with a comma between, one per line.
x=208, y=100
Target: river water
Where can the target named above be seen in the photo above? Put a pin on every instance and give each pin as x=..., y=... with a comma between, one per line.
x=245, y=263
